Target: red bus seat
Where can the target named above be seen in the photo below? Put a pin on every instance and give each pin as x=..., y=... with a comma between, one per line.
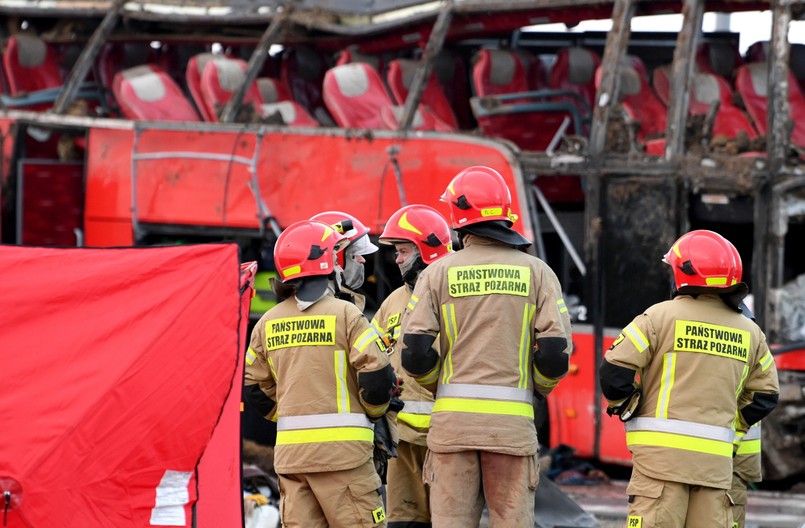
x=220, y=78
x=349, y=55
x=147, y=93
x=752, y=83
x=399, y=77
x=195, y=66
x=273, y=90
x=30, y=65
x=355, y=96
x=708, y=89
x=574, y=70
x=276, y=98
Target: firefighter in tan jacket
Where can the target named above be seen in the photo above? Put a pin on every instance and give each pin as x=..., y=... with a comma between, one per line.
x=488, y=304
x=317, y=367
x=420, y=237
x=697, y=357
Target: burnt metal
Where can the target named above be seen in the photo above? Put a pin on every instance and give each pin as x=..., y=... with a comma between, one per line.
x=255, y=65
x=693, y=13
x=87, y=58
x=432, y=49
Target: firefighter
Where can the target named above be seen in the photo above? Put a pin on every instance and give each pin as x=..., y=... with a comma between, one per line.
x=317, y=367
x=351, y=273
x=488, y=304
x=694, y=354
x=420, y=236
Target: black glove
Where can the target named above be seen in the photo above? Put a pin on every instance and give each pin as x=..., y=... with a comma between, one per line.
x=396, y=405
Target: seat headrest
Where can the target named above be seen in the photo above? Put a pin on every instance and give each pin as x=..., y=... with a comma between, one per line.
x=352, y=79
x=146, y=83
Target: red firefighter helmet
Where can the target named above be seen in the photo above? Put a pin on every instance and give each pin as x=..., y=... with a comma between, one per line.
x=739, y=267
x=705, y=259
x=306, y=249
x=478, y=194
x=424, y=227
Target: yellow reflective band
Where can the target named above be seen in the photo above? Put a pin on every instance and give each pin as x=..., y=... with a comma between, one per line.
x=405, y=224
x=429, y=377
x=739, y=435
x=468, y=405
x=291, y=271
x=375, y=411
x=449, y=313
x=744, y=375
x=465, y=281
x=327, y=434
x=715, y=281
x=341, y=388
x=634, y=521
x=525, y=344
x=766, y=361
x=251, y=356
x=327, y=232
x=368, y=336
x=420, y=421
x=412, y=302
x=666, y=384
x=675, y=441
x=271, y=366
x=749, y=447
x=492, y=211
x=561, y=305
x=542, y=380
x=637, y=337
x=306, y=330
x=724, y=341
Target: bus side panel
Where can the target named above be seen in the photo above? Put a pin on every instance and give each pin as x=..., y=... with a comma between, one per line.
x=107, y=208
x=299, y=175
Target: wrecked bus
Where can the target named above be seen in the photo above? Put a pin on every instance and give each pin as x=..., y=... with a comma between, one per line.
x=165, y=122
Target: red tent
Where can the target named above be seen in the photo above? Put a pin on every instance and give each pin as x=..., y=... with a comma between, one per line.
x=121, y=379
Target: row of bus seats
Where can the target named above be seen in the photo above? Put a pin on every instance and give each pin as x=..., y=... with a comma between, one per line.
x=358, y=90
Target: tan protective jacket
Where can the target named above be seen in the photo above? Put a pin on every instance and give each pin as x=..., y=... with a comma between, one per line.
x=308, y=363
x=487, y=303
x=696, y=358
x=413, y=421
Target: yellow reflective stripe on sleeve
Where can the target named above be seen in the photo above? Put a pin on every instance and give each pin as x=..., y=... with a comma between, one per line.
x=376, y=411
x=251, y=356
x=666, y=384
x=561, y=305
x=744, y=375
x=637, y=337
x=329, y=434
x=271, y=366
x=449, y=314
x=468, y=405
x=420, y=421
x=543, y=381
x=766, y=361
x=749, y=447
x=341, y=388
x=430, y=377
x=366, y=338
x=525, y=344
x=676, y=441
x=412, y=302
x=377, y=326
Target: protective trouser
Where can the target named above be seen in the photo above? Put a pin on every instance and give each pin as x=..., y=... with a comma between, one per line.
x=738, y=495
x=661, y=504
x=460, y=483
x=408, y=498
x=332, y=498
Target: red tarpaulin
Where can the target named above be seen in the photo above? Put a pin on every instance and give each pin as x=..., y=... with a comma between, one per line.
x=119, y=368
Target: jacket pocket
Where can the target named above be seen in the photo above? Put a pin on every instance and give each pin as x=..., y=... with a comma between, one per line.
x=366, y=501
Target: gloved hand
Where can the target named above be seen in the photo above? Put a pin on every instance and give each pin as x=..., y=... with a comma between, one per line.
x=628, y=407
x=398, y=386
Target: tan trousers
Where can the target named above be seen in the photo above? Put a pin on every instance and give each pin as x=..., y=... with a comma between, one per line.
x=660, y=504
x=348, y=498
x=407, y=495
x=738, y=495
x=461, y=482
